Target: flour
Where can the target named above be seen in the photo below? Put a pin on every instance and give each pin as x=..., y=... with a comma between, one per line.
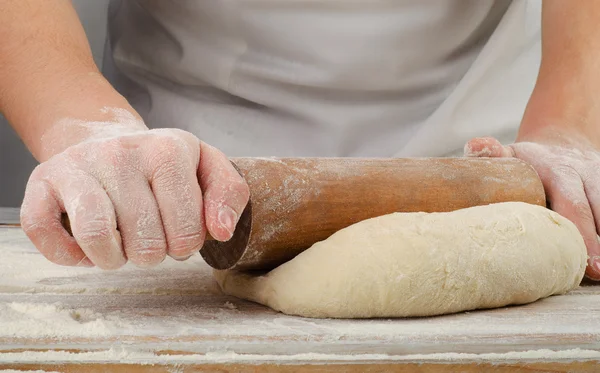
x=118, y=122
x=27, y=320
x=486, y=147
x=125, y=356
x=177, y=306
x=230, y=306
x=115, y=171
x=19, y=257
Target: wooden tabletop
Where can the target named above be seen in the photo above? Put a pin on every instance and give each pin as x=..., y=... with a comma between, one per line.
x=173, y=318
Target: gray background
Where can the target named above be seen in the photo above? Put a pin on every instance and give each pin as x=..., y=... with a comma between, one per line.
x=15, y=161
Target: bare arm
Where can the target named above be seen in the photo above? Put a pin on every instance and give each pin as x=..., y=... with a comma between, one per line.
x=567, y=93
x=163, y=189
x=47, y=74
x=560, y=131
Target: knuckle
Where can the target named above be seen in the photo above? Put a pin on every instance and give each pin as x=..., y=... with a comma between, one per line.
x=62, y=257
x=40, y=179
x=145, y=246
x=236, y=196
x=243, y=190
x=177, y=134
x=116, y=158
x=589, y=178
x=30, y=222
x=561, y=171
x=32, y=226
x=59, y=251
x=38, y=172
x=166, y=172
x=126, y=142
x=185, y=244
x=168, y=158
x=97, y=230
x=169, y=146
x=36, y=226
x=36, y=202
x=583, y=211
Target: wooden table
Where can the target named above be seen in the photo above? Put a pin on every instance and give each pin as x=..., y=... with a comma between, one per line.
x=174, y=319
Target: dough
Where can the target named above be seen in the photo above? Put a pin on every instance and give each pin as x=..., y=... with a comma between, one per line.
x=420, y=264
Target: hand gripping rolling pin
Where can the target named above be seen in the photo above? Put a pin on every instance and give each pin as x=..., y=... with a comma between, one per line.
x=296, y=202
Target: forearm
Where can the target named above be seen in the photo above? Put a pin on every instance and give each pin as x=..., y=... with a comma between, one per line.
x=48, y=74
x=568, y=85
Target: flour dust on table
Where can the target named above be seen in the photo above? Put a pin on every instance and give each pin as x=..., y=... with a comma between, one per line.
x=424, y=264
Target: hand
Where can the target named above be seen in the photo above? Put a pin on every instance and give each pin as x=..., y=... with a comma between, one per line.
x=569, y=167
x=163, y=189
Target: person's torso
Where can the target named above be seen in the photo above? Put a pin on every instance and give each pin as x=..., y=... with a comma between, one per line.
x=298, y=77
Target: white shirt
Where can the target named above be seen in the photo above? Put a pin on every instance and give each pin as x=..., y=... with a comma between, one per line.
x=328, y=77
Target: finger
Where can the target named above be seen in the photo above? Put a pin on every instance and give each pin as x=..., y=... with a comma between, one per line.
x=592, y=191
x=138, y=219
x=567, y=197
x=175, y=185
x=487, y=147
x=225, y=192
x=41, y=222
x=92, y=218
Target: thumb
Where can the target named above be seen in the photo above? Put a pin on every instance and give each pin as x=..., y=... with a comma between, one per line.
x=487, y=147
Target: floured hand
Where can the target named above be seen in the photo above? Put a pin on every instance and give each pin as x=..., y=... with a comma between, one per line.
x=163, y=189
x=569, y=168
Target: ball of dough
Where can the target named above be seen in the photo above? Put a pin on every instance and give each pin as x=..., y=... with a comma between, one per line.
x=423, y=264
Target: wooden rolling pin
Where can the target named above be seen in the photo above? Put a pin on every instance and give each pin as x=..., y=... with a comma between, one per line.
x=296, y=202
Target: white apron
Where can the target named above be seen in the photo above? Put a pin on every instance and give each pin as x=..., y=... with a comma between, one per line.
x=327, y=77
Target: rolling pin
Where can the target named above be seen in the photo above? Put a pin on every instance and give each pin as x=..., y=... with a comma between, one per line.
x=296, y=202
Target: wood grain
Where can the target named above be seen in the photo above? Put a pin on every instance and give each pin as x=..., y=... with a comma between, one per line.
x=173, y=318
x=296, y=202
x=552, y=367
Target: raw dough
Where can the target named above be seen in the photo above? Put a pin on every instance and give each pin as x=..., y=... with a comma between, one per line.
x=420, y=264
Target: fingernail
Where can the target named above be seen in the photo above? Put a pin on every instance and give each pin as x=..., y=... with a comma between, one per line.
x=228, y=219
x=182, y=258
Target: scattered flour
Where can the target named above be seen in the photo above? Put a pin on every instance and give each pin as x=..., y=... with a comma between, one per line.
x=117, y=122
x=26, y=320
x=179, y=302
x=139, y=357
x=230, y=306
x=19, y=257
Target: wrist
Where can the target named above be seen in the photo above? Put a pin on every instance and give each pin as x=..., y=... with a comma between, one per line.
x=561, y=109
x=77, y=108
x=103, y=123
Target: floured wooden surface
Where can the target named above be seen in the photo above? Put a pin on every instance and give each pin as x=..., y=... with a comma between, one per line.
x=53, y=314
